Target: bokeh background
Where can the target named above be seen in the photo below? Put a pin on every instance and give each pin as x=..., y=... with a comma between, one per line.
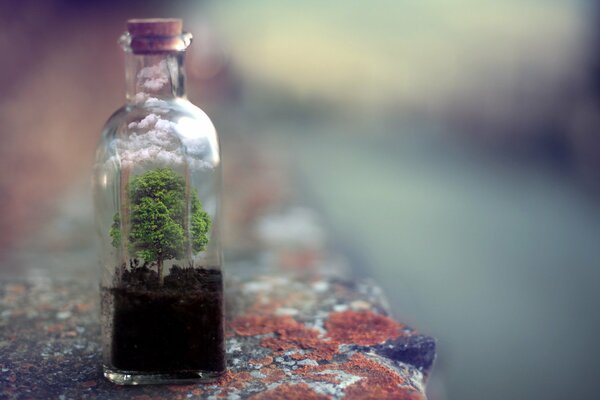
x=451, y=146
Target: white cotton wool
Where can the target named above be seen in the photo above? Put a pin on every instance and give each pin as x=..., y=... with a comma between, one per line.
x=155, y=141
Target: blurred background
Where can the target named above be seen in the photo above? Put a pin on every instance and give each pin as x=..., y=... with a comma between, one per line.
x=452, y=146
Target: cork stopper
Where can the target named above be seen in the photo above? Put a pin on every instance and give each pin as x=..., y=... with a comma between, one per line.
x=155, y=35
x=154, y=27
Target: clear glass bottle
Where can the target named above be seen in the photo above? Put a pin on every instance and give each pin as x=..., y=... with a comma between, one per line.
x=157, y=200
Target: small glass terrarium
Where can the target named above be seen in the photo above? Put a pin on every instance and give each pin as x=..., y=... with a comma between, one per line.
x=157, y=200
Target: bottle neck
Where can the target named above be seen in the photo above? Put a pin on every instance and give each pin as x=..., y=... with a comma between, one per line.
x=155, y=75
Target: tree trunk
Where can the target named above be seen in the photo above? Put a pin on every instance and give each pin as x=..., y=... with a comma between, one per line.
x=161, y=279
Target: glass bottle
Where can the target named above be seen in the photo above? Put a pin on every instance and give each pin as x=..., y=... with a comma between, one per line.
x=157, y=199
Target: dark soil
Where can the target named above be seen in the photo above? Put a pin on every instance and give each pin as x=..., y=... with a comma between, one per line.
x=176, y=327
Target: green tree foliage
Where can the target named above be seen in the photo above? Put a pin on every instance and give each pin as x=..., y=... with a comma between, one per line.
x=158, y=208
x=201, y=224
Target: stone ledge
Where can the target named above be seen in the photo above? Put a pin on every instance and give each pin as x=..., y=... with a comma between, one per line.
x=290, y=331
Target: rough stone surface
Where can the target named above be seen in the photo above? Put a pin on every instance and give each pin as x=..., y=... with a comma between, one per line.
x=285, y=339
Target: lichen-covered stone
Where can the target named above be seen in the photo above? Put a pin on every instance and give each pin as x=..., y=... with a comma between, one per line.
x=284, y=339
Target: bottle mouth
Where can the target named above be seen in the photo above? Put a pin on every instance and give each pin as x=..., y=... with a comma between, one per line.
x=155, y=44
x=155, y=35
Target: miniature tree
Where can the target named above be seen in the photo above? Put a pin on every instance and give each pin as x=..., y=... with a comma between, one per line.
x=157, y=201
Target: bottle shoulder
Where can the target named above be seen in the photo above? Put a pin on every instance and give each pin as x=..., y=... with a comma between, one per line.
x=159, y=131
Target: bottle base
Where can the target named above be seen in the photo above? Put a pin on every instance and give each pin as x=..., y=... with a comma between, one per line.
x=156, y=378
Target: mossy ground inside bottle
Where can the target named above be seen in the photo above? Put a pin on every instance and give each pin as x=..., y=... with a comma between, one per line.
x=157, y=195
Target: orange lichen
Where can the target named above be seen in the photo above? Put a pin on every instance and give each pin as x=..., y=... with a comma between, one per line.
x=233, y=380
x=301, y=337
x=362, y=365
x=225, y=378
x=236, y=380
x=364, y=328
x=364, y=389
x=286, y=334
x=240, y=380
x=252, y=325
x=324, y=377
x=305, y=371
x=323, y=350
x=379, y=381
x=292, y=338
x=289, y=334
x=286, y=391
x=261, y=361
